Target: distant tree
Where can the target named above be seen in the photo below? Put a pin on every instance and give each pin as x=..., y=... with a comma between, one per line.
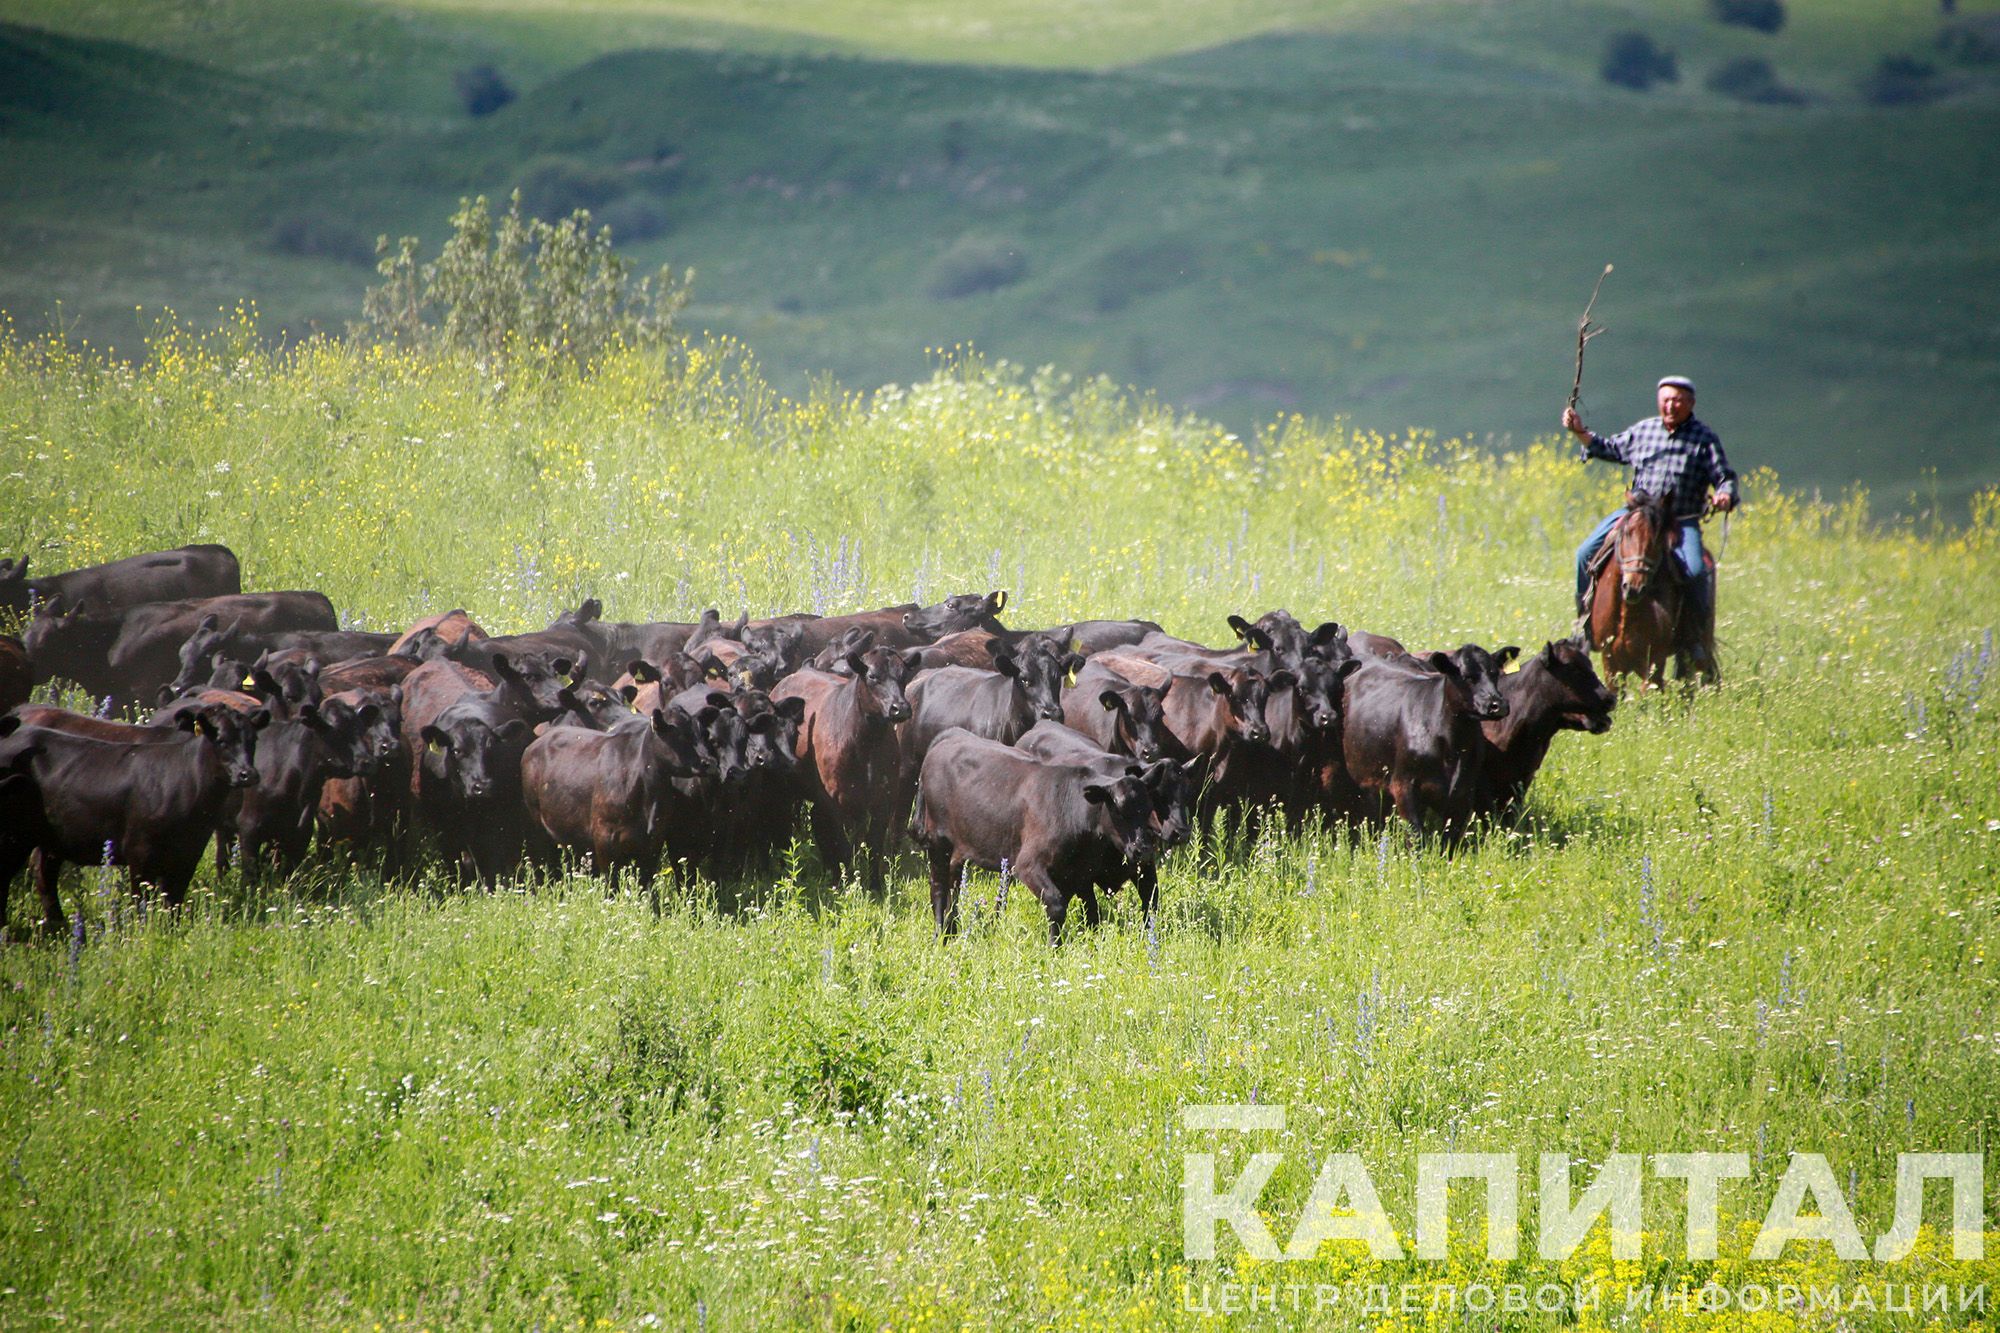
x=976, y=263
x=1632, y=60
x=1763, y=15
x=519, y=286
x=1973, y=41
x=482, y=89
x=1902, y=81
x=1751, y=79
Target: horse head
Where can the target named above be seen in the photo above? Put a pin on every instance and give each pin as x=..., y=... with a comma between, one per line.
x=1642, y=543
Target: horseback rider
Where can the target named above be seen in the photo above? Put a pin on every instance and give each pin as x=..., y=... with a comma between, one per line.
x=1674, y=456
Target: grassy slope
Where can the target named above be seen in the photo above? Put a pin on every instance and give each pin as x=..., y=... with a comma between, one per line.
x=1394, y=222
x=1759, y=921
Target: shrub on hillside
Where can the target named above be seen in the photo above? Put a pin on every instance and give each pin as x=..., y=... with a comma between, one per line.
x=1751, y=79
x=481, y=89
x=976, y=263
x=1902, y=81
x=554, y=187
x=312, y=236
x=519, y=285
x=1633, y=60
x=1972, y=41
x=635, y=217
x=1763, y=15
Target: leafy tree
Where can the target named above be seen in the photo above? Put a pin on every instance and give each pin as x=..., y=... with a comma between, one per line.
x=1751, y=79
x=519, y=285
x=1902, y=81
x=1763, y=15
x=482, y=89
x=1632, y=60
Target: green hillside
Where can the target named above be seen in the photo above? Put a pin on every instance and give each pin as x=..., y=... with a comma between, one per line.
x=1385, y=213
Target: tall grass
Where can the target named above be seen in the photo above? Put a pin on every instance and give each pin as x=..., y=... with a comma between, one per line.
x=1758, y=920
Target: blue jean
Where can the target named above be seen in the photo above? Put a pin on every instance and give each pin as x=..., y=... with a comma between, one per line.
x=1687, y=550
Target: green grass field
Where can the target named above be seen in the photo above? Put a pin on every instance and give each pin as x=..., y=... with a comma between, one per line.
x=1372, y=213
x=1760, y=920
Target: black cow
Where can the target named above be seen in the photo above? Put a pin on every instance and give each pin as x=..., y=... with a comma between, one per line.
x=607, y=793
x=128, y=654
x=1555, y=690
x=212, y=637
x=160, y=576
x=1411, y=742
x=1058, y=828
x=848, y=754
x=1120, y=716
x=149, y=805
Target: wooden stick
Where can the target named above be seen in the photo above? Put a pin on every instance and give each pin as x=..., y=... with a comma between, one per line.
x=1585, y=331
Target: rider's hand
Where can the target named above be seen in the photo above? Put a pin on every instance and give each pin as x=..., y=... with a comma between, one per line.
x=1573, y=423
x=1723, y=502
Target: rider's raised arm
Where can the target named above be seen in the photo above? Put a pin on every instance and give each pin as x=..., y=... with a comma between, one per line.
x=1613, y=448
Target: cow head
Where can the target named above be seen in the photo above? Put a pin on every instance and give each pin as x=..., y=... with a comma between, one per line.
x=968, y=610
x=587, y=612
x=474, y=748
x=358, y=736
x=880, y=675
x=1141, y=723
x=1125, y=812
x=286, y=684
x=1244, y=694
x=234, y=736
x=591, y=704
x=1172, y=785
x=1480, y=672
x=1561, y=674
x=676, y=745
x=772, y=731
x=834, y=657
x=1038, y=672
x=782, y=643
x=531, y=683
x=209, y=641
x=1321, y=686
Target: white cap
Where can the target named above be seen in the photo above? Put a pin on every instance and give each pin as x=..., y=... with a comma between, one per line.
x=1675, y=382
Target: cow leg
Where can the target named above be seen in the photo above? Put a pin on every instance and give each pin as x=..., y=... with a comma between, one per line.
x=830, y=838
x=48, y=871
x=944, y=890
x=1054, y=901
x=1146, y=878
x=1409, y=803
x=1091, y=916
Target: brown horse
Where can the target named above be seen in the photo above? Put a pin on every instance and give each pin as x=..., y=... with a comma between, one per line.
x=1635, y=600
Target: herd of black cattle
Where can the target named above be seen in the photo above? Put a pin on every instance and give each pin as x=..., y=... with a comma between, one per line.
x=1070, y=757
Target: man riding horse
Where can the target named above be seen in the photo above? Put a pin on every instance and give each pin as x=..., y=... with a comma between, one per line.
x=1677, y=458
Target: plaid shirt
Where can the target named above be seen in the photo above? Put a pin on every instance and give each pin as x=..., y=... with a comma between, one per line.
x=1680, y=464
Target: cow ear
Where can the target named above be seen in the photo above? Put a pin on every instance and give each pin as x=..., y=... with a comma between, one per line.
x=793, y=708
x=396, y=695
x=185, y=721
x=999, y=599
x=504, y=668
x=1282, y=680
x=265, y=681
x=208, y=623
x=1548, y=654
x=259, y=719
x=1507, y=654
x=9, y=724
x=513, y=729
x=1218, y=682
x=718, y=699
x=857, y=664
x=1240, y=625
x=1072, y=663
x=913, y=661
x=1348, y=668
x=591, y=609
x=1005, y=664
x=165, y=695
x=628, y=693
x=1112, y=700
x=764, y=723
x=563, y=666
x=642, y=671
x=310, y=715
x=434, y=735
x=706, y=717
x=1097, y=794
x=368, y=714
x=1442, y=664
